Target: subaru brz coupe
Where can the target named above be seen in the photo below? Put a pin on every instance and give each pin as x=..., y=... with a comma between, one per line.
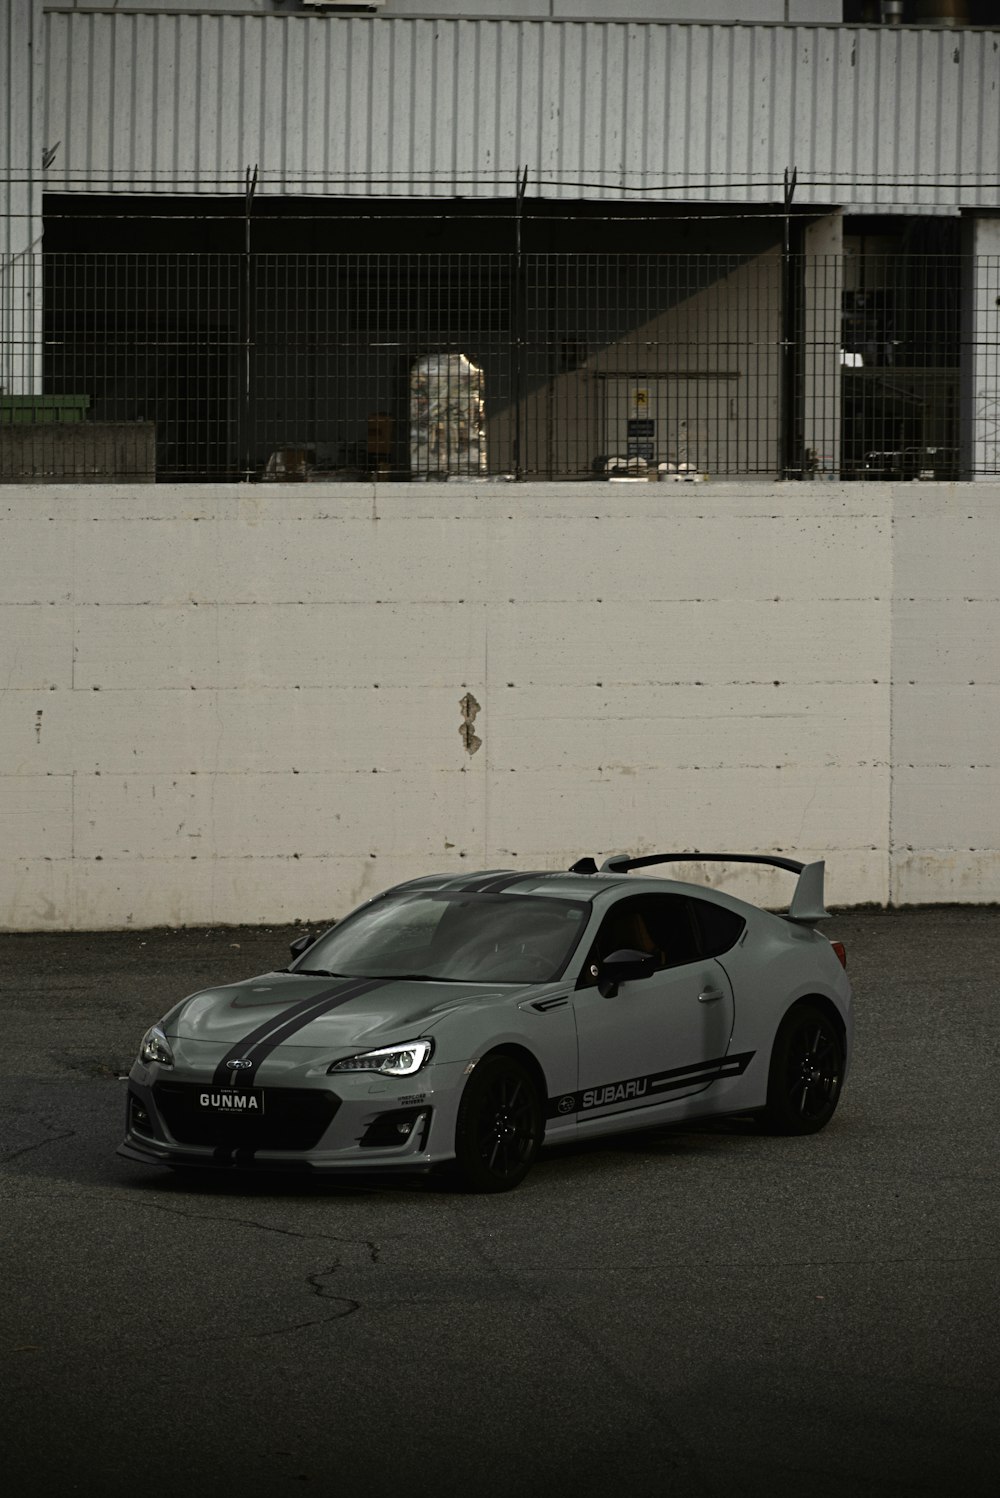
x=466, y=1021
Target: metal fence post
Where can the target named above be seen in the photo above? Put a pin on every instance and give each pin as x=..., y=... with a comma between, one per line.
x=246, y=395
x=791, y=364
x=517, y=381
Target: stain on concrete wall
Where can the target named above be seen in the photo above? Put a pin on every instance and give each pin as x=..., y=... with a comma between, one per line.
x=470, y=711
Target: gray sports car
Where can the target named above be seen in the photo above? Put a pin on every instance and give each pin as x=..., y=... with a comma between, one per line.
x=472, y=1019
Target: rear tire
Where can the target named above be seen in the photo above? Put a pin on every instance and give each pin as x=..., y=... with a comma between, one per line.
x=500, y=1124
x=807, y=1071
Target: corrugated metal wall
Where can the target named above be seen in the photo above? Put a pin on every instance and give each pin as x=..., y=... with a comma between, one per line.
x=20, y=110
x=20, y=196
x=905, y=119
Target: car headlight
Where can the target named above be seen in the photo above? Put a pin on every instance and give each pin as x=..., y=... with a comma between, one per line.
x=391, y=1060
x=156, y=1047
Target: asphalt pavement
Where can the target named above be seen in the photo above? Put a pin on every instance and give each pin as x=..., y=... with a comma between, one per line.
x=705, y=1312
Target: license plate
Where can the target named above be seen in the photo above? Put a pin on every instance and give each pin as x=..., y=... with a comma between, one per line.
x=233, y=1104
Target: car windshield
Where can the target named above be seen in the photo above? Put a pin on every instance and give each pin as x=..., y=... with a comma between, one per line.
x=454, y=938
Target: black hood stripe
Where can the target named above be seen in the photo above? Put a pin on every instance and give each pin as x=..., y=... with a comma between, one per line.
x=477, y=885
x=492, y=884
x=254, y=1047
x=527, y=877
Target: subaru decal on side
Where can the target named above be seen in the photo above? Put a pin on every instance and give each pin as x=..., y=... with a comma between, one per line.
x=527, y=1008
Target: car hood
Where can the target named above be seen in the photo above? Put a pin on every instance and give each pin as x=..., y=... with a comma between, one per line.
x=341, y=1017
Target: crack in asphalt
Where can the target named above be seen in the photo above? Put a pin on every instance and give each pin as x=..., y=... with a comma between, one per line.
x=374, y=1248
x=241, y=1222
x=345, y=1305
x=40, y=1144
x=482, y=1253
x=315, y=1282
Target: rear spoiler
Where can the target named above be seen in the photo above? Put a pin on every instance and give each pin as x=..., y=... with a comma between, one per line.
x=807, y=902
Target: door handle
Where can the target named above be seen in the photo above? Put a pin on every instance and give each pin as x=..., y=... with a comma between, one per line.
x=709, y=995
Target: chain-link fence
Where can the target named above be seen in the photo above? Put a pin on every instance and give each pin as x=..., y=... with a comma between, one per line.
x=417, y=365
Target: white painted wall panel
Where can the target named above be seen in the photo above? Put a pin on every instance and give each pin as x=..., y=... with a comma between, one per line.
x=621, y=729
x=952, y=807
x=39, y=567
x=946, y=640
x=627, y=808
x=36, y=645
x=36, y=816
x=899, y=117
x=284, y=730
x=749, y=556
x=223, y=646
x=179, y=818
x=945, y=723
x=946, y=696
x=239, y=890
x=711, y=641
x=943, y=549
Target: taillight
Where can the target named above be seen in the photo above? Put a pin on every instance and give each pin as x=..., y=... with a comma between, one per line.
x=841, y=951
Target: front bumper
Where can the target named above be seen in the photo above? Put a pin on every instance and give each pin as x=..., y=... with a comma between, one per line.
x=349, y=1122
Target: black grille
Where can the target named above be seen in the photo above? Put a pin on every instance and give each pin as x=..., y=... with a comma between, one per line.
x=293, y=1118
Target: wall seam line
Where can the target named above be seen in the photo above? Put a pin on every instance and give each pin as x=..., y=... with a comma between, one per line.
x=890, y=838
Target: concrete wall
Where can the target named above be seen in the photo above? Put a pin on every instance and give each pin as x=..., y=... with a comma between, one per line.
x=225, y=704
x=78, y=452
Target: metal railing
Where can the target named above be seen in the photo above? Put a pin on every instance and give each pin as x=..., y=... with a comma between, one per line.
x=416, y=365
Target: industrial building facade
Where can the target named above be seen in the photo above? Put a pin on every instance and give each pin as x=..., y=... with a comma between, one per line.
x=276, y=240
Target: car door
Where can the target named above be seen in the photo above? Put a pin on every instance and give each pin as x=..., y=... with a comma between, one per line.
x=658, y=1038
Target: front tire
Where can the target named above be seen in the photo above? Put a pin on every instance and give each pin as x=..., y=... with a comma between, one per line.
x=807, y=1071
x=500, y=1123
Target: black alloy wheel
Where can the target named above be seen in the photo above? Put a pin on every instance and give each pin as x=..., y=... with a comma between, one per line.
x=499, y=1130
x=807, y=1070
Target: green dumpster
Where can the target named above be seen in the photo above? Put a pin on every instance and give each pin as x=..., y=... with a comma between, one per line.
x=36, y=410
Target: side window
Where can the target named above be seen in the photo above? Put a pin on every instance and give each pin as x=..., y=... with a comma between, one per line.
x=674, y=928
x=720, y=929
x=663, y=925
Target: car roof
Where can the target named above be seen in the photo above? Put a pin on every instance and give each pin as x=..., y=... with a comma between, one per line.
x=559, y=885
x=556, y=884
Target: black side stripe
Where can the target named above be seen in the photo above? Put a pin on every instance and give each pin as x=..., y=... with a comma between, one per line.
x=252, y=1050
x=645, y=1091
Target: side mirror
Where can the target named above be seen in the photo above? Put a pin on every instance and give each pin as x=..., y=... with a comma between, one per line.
x=624, y=966
x=301, y=944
